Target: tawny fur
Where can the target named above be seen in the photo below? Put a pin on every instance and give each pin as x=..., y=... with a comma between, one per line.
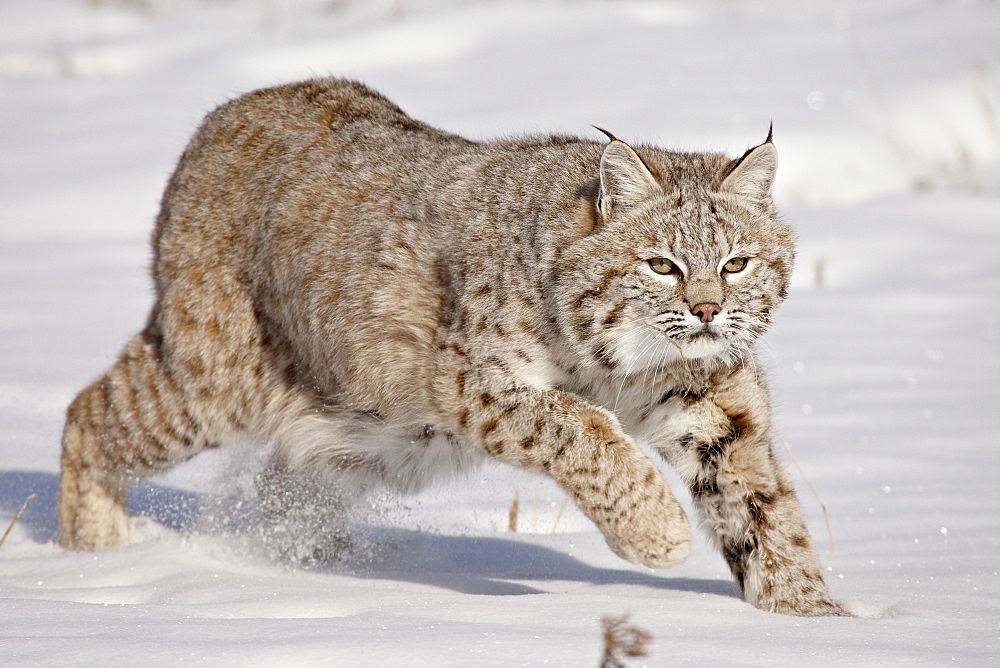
x=395, y=303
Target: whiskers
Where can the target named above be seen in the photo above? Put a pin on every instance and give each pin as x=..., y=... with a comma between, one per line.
x=648, y=344
x=741, y=352
x=681, y=355
x=654, y=350
x=748, y=331
x=608, y=349
x=645, y=348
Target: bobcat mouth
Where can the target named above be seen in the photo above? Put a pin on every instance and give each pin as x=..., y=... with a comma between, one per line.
x=704, y=342
x=705, y=332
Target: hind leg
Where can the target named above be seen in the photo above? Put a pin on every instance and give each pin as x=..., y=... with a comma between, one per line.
x=131, y=423
x=324, y=468
x=308, y=514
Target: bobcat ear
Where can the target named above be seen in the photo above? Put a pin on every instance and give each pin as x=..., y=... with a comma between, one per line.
x=625, y=179
x=752, y=175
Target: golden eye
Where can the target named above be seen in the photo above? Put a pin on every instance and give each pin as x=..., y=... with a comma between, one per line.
x=736, y=265
x=662, y=265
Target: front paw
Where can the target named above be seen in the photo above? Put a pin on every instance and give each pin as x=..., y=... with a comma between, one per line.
x=655, y=539
x=821, y=606
x=652, y=553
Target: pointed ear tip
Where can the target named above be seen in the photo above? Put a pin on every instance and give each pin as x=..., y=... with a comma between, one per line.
x=611, y=137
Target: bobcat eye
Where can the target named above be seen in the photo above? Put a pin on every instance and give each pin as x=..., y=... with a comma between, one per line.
x=662, y=265
x=735, y=265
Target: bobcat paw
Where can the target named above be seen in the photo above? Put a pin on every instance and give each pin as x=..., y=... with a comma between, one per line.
x=653, y=555
x=819, y=606
x=92, y=515
x=662, y=543
x=826, y=608
x=339, y=549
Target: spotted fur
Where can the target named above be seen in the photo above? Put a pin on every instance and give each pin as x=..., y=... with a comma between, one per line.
x=392, y=303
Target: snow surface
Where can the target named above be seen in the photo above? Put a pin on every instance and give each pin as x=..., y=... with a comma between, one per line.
x=884, y=362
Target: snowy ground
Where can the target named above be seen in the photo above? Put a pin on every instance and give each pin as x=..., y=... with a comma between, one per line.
x=885, y=361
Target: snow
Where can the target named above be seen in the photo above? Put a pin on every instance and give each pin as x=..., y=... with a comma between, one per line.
x=884, y=362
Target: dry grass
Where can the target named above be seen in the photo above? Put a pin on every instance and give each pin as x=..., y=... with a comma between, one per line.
x=16, y=518
x=515, y=508
x=826, y=515
x=622, y=641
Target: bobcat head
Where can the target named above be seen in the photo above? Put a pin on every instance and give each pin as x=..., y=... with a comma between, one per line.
x=686, y=260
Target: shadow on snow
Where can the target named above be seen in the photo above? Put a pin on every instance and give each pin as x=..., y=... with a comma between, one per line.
x=464, y=564
x=173, y=508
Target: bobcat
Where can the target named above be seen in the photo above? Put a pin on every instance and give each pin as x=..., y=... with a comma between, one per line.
x=394, y=303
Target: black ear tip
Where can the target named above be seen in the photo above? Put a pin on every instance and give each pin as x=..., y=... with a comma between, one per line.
x=607, y=134
x=770, y=134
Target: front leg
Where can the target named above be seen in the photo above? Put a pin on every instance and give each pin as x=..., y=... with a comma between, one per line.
x=720, y=446
x=583, y=448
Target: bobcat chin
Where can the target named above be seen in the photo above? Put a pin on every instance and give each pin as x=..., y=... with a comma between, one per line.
x=394, y=303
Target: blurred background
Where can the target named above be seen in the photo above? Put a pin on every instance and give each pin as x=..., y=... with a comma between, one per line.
x=867, y=98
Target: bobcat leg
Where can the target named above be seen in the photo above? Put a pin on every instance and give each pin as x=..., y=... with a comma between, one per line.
x=307, y=515
x=91, y=506
x=743, y=494
x=127, y=425
x=584, y=449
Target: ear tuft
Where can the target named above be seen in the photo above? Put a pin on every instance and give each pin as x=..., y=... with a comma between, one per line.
x=604, y=132
x=625, y=179
x=752, y=175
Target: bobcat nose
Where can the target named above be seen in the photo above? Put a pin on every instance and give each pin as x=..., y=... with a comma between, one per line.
x=706, y=311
